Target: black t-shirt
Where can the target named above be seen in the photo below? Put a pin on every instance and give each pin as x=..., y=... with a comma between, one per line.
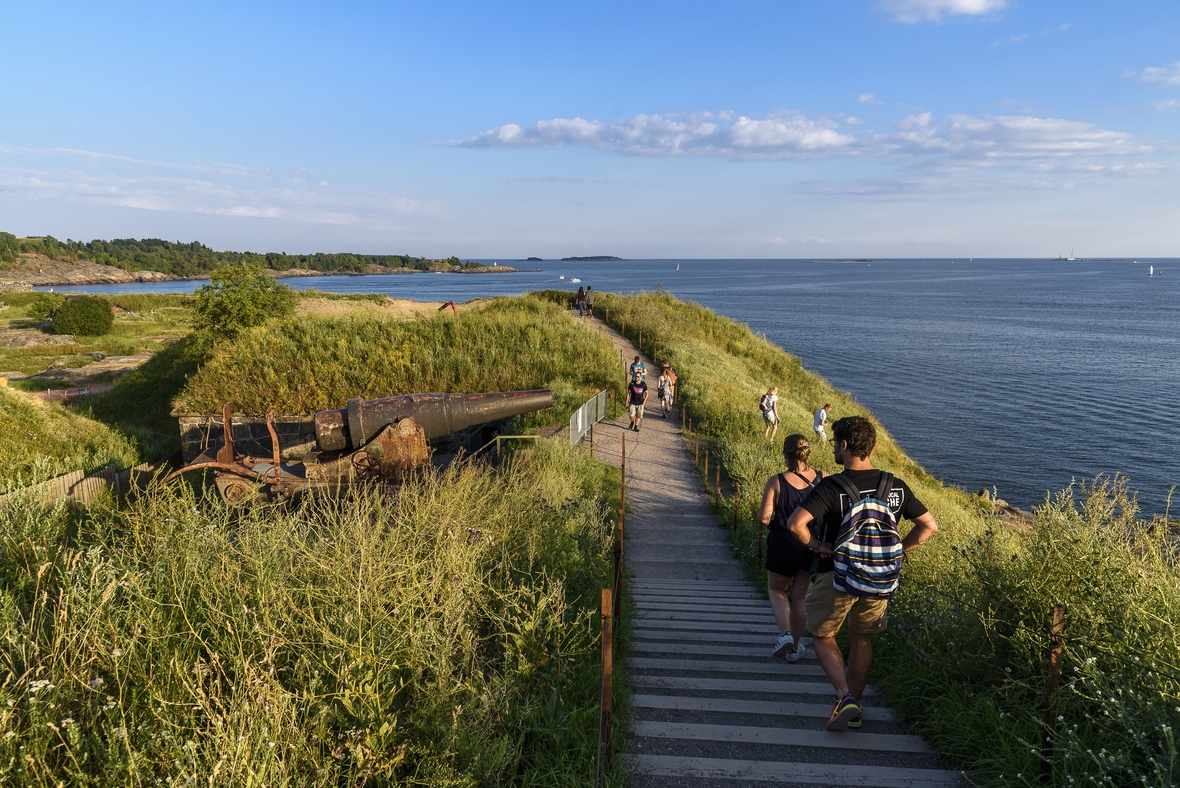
x=637, y=392
x=828, y=504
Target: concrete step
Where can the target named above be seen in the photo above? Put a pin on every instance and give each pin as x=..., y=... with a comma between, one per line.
x=708, y=649
x=787, y=737
x=778, y=667
x=699, y=605
x=832, y=774
x=721, y=616
x=766, y=707
x=761, y=686
x=713, y=625
x=735, y=638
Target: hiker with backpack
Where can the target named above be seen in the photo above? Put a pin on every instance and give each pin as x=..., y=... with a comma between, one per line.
x=769, y=407
x=788, y=561
x=851, y=519
x=664, y=389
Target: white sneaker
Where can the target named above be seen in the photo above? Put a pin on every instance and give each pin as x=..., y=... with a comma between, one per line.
x=783, y=645
x=795, y=654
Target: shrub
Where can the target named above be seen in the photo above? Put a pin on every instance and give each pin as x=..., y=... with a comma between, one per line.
x=88, y=316
x=238, y=298
x=9, y=248
x=44, y=305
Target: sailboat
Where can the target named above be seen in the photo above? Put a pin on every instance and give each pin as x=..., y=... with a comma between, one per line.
x=1151, y=270
x=678, y=266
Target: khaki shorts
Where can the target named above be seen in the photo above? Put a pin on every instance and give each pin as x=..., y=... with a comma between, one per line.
x=827, y=608
x=636, y=411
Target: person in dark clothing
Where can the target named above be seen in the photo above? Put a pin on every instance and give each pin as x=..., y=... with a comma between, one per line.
x=817, y=523
x=788, y=562
x=636, y=399
x=580, y=300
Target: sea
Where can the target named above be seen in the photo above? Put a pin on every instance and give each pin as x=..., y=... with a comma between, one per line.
x=1018, y=376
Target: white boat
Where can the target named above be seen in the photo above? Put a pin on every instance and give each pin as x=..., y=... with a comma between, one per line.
x=561, y=277
x=678, y=266
x=1151, y=270
x=575, y=280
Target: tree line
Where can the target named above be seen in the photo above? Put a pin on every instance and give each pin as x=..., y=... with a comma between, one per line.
x=194, y=259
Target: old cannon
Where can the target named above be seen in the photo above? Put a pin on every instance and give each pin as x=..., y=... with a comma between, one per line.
x=378, y=439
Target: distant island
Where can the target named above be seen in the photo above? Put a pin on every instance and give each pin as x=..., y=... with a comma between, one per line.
x=594, y=259
x=47, y=261
x=533, y=260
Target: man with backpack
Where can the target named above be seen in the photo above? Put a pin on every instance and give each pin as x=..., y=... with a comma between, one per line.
x=636, y=399
x=855, y=515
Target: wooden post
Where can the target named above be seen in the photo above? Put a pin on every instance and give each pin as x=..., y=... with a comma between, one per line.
x=608, y=636
x=623, y=475
x=696, y=452
x=735, y=508
x=717, y=486
x=1051, y=684
x=619, y=565
x=641, y=340
x=591, y=440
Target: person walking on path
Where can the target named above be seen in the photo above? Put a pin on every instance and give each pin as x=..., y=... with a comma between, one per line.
x=788, y=561
x=590, y=299
x=821, y=420
x=580, y=300
x=636, y=399
x=769, y=407
x=638, y=368
x=664, y=390
x=856, y=513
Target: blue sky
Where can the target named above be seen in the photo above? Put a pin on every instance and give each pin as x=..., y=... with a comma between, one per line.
x=789, y=129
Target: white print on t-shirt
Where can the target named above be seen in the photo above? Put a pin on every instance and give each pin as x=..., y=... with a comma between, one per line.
x=893, y=499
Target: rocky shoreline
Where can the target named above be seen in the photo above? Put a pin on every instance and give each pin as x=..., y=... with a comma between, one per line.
x=37, y=271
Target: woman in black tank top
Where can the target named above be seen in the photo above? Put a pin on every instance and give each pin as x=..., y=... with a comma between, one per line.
x=788, y=561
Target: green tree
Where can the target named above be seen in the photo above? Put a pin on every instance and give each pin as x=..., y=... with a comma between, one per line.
x=9, y=248
x=88, y=316
x=237, y=298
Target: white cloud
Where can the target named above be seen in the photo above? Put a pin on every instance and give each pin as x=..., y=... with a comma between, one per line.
x=778, y=241
x=1166, y=104
x=815, y=239
x=914, y=11
x=783, y=135
x=852, y=120
x=1019, y=142
x=98, y=178
x=867, y=98
x=1168, y=75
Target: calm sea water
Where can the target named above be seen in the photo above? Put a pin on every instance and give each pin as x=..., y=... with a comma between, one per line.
x=1017, y=374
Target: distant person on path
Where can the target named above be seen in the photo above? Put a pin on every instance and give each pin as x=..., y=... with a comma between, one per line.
x=664, y=389
x=590, y=299
x=636, y=399
x=821, y=420
x=769, y=408
x=788, y=561
x=580, y=300
x=638, y=368
x=855, y=515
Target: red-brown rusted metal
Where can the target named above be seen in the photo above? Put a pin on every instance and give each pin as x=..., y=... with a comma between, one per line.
x=378, y=440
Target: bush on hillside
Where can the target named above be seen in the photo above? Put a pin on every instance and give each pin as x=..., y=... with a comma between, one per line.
x=44, y=305
x=9, y=248
x=238, y=298
x=88, y=316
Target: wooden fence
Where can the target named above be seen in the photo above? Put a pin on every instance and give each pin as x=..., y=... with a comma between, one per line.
x=81, y=487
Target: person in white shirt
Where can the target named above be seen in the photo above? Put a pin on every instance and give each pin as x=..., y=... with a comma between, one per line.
x=821, y=420
x=769, y=406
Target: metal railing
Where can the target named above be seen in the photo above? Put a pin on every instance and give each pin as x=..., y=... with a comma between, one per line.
x=592, y=411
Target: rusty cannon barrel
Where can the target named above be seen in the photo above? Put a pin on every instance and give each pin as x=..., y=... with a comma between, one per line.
x=437, y=414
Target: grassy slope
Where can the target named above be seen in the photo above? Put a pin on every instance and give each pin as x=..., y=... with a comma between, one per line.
x=42, y=440
x=965, y=657
x=443, y=636
x=314, y=363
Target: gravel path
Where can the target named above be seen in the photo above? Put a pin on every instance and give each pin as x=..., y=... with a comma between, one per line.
x=712, y=707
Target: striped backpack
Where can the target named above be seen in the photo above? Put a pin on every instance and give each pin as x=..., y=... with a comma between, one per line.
x=867, y=551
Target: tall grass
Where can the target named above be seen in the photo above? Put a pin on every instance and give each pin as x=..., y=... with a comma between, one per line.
x=313, y=363
x=443, y=635
x=965, y=657
x=40, y=440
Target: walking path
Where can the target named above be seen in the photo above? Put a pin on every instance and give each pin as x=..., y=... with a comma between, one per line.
x=712, y=707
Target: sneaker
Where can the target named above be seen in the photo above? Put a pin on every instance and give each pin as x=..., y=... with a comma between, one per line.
x=843, y=710
x=854, y=723
x=783, y=645
x=795, y=654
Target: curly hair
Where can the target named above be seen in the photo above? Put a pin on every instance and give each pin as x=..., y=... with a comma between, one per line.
x=796, y=449
x=859, y=432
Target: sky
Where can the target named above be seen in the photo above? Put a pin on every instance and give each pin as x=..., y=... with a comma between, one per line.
x=889, y=128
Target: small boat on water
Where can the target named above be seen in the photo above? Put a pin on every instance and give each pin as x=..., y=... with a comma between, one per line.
x=1151, y=270
x=678, y=266
x=561, y=277
x=575, y=280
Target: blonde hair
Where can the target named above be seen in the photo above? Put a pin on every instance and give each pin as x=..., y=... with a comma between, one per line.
x=796, y=449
